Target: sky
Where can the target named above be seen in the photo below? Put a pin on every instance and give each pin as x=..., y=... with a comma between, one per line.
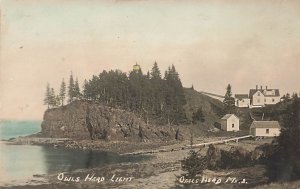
x=211, y=43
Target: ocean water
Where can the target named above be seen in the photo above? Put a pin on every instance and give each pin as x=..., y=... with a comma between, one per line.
x=19, y=163
x=11, y=129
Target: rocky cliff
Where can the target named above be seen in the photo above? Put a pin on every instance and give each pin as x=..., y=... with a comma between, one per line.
x=87, y=120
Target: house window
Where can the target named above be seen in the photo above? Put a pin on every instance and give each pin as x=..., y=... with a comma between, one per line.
x=258, y=94
x=265, y=100
x=258, y=100
x=233, y=125
x=267, y=131
x=273, y=100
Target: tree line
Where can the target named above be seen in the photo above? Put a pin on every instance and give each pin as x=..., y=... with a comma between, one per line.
x=283, y=161
x=151, y=96
x=53, y=100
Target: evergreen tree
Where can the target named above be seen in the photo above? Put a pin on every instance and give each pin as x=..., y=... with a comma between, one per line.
x=174, y=96
x=148, y=75
x=62, y=92
x=52, y=98
x=155, y=72
x=57, y=100
x=284, y=163
x=156, y=91
x=136, y=91
x=71, y=88
x=228, y=101
x=47, y=98
x=194, y=164
x=85, y=89
x=295, y=95
x=77, y=93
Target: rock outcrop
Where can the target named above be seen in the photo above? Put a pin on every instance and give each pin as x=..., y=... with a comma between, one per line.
x=88, y=120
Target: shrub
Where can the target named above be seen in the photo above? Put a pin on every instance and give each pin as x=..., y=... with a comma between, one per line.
x=284, y=163
x=194, y=164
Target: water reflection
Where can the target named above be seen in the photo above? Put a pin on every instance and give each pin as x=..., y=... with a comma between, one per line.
x=19, y=162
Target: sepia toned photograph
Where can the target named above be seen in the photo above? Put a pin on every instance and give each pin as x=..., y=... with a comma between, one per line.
x=151, y=94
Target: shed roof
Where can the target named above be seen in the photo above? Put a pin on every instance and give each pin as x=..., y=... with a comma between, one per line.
x=228, y=116
x=265, y=124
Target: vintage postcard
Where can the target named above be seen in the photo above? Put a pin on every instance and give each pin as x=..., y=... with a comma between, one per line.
x=149, y=94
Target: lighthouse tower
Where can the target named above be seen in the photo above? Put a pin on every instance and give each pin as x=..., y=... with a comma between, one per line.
x=136, y=67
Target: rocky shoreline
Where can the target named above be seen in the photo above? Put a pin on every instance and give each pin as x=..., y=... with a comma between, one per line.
x=162, y=170
x=120, y=147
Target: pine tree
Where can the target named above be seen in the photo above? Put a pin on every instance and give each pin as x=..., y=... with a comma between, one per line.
x=285, y=158
x=295, y=95
x=174, y=97
x=71, y=87
x=148, y=75
x=228, y=101
x=85, y=89
x=57, y=100
x=52, y=98
x=157, y=91
x=47, y=98
x=77, y=93
x=62, y=92
x=136, y=91
x=155, y=72
x=194, y=164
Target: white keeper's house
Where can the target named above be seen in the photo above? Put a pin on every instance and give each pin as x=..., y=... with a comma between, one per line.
x=230, y=122
x=265, y=128
x=258, y=97
x=261, y=97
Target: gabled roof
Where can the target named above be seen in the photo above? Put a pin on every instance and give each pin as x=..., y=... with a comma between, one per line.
x=265, y=124
x=253, y=91
x=241, y=96
x=228, y=116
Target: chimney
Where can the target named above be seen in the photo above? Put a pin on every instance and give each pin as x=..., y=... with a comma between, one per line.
x=256, y=87
x=261, y=87
x=266, y=87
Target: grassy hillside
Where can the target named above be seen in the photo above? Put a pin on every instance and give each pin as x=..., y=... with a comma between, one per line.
x=211, y=108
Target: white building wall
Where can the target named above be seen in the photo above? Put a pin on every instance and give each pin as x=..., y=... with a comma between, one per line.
x=258, y=99
x=262, y=132
x=233, y=124
x=272, y=100
x=242, y=103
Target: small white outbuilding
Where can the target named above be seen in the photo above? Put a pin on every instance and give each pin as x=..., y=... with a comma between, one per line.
x=265, y=128
x=230, y=122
